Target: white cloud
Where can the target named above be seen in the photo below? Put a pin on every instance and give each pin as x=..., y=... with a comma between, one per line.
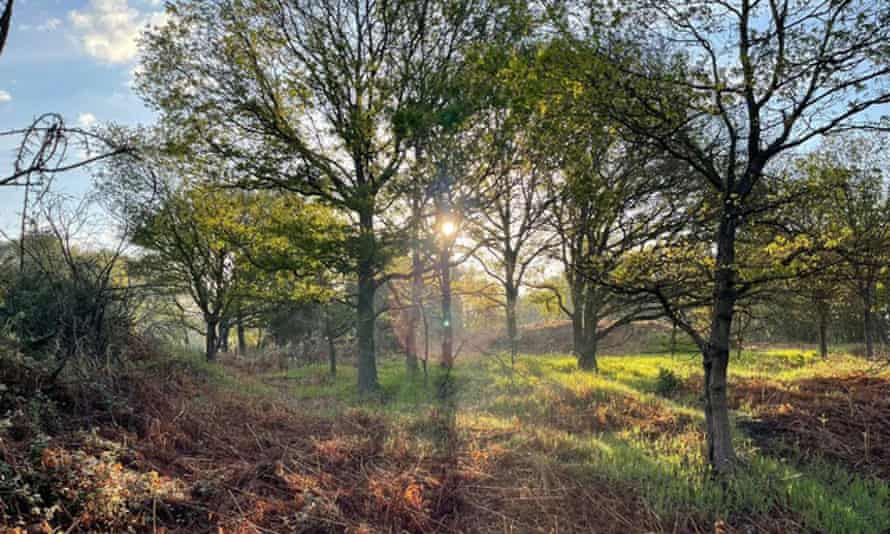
x=49, y=24
x=108, y=30
x=4, y=96
x=85, y=120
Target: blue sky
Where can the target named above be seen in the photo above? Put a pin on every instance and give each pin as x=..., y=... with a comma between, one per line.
x=74, y=57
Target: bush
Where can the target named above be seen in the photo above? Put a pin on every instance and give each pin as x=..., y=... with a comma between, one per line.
x=667, y=383
x=61, y=303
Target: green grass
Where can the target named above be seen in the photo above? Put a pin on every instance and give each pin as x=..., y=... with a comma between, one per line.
x=193, y=363
x=668, y=470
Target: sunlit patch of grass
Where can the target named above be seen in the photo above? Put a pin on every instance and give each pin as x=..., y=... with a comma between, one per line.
x=670, y=470
x=672, y=475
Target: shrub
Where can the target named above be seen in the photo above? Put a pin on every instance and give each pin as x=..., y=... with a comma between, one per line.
x=667, y=383
x=61, y=303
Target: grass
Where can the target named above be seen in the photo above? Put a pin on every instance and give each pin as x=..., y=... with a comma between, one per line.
x=614, y=426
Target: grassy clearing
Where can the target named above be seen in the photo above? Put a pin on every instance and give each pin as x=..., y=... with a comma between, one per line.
x=615, y=427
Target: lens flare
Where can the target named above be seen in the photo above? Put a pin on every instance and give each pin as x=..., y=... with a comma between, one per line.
x=449, y=228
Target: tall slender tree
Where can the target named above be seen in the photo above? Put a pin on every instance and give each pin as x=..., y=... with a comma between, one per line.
x=514, y=205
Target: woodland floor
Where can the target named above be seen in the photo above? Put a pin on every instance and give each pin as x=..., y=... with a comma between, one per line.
x=541, y=447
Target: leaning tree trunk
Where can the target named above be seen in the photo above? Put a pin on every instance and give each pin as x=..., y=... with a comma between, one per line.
x=5, y=23
x=367, y=286
x=721, y=454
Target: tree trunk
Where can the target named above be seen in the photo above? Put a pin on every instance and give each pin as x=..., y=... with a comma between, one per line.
x=867, y=322
x=721, y=454
x=579, y=301
x=224, y=330
x=577, y=333
x=242, y=339
x=211, y=344
x=512, y=328
x=332, y=349
x=590, y=324
x=577, y=288
x=416, y=296
x=367, y=362
x=587, y=358
x=739, y=338
x=447, y=328
x=822, y=308
x=5, y=23
x=261, y=339
x=426, y=346
x=880, y=329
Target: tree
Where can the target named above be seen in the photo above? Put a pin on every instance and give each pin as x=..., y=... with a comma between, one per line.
x=310, y=96
x=293, y=249
x=66, y=301
x=604, y=211
x=514, y=204
x=612, y=195
x=854, y=171
x=759, y=80
x=188, y=254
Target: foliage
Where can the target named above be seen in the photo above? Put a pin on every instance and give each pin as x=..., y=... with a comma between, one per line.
x=59, y=302
x=318, y=98
x=667, y=383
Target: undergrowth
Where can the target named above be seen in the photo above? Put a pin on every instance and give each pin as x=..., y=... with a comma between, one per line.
x=638, y=422
x=540, y=446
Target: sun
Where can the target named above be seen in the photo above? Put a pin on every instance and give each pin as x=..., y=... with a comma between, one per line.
x=449, y=228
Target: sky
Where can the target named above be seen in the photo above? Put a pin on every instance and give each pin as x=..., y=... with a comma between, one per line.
x=76, y=58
